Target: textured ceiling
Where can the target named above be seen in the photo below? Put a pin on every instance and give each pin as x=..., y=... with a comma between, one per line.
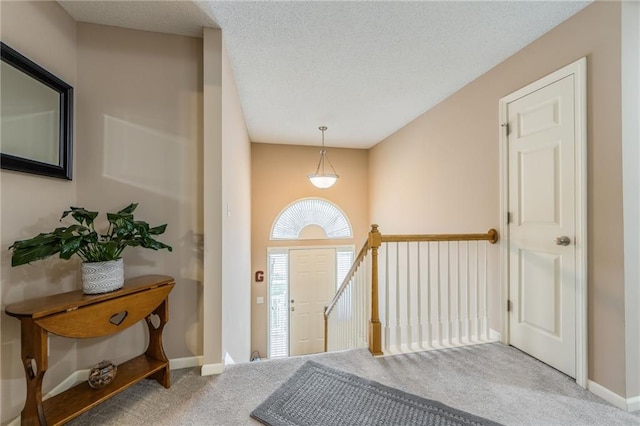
x=173, y=17
x=362, y=68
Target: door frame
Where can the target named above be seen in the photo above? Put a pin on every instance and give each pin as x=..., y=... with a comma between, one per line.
x=579, y=70
x=288, y=249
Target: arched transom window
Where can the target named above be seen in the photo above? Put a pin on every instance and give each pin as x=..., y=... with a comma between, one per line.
x=311, y=218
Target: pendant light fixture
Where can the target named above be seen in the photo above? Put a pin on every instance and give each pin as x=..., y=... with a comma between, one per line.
x=320, y=179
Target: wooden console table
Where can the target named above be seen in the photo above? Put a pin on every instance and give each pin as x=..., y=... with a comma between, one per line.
x=78, y=315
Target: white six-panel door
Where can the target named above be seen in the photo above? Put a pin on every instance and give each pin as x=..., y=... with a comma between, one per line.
x=544, y=193
x=312, y=286
x=542, y=227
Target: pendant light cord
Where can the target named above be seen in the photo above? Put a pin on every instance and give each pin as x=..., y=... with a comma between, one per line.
x=323, y=155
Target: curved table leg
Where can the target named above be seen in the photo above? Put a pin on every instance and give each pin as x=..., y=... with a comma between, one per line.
x=34, y=359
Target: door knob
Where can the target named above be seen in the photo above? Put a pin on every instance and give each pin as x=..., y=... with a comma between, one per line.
x=563, y=240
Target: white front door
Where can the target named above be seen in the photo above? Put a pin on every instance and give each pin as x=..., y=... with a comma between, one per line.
x=542, y=222
x=311, y=288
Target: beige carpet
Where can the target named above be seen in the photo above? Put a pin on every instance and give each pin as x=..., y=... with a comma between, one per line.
x=492, y=381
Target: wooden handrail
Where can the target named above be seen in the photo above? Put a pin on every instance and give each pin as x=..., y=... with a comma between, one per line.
x=491, y=236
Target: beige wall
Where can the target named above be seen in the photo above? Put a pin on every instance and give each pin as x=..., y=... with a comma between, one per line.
x=46, y=34
x=227, y=212
x=236, y=223
x=447, y=159
x=278, y=178
x=139, y=109
x=139, y=138
x=212, y=159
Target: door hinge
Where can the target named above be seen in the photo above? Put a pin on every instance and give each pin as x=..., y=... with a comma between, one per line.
x=508, y=305
x=506, y=127
x=508, y=218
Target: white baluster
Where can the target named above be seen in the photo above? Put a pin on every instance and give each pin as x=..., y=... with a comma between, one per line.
x=484, y=303
x=478, y=296
x=360, y=305
x=397, y=288
x=458, y=296
x=448, y=286
x=428, y=313
x=356, y=311
x=387, y=318
x=419, y=295
x=409, y=334
x=467, y=327
x=439, y=288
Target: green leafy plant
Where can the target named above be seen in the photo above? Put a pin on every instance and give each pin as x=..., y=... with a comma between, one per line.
x=83, y=240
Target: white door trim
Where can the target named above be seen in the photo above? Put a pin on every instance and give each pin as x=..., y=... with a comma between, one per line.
x=579, y=70
x=287, y=249
x=630, y=14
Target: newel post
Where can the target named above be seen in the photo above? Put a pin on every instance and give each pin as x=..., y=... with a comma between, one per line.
x=375, y=329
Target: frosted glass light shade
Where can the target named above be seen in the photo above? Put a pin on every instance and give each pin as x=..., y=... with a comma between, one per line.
x=320, y=179
x=323, y=181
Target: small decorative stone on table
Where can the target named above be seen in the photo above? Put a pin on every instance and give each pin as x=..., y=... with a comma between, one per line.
x=102, y=374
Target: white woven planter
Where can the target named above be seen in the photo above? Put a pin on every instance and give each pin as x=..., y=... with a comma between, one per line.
x=102, y=277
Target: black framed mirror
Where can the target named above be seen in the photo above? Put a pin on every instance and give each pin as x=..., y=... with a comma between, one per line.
x=36, y=109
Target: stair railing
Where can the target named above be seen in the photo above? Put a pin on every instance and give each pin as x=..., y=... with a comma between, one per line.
x=346, y=316
x=428, y=291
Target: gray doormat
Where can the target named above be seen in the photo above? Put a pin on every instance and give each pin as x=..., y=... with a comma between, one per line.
x=318, y=395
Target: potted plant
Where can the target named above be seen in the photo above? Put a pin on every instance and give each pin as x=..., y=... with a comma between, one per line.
x=102, y=268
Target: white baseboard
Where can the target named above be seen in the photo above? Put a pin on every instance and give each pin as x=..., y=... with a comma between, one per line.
x=82, y=375
x=73, y=379
x=187, y=362
x=212, y=369
x=494, y=335
x=629, y=404
x=633, y=404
